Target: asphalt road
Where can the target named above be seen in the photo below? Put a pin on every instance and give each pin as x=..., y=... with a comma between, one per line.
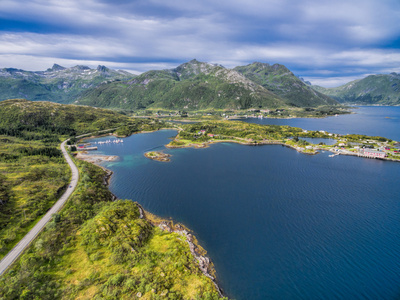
x=30, y=236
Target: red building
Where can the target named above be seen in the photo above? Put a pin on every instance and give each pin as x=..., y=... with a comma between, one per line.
x=374, y=153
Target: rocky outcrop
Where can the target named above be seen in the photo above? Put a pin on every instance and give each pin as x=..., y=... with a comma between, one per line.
x=205, y=264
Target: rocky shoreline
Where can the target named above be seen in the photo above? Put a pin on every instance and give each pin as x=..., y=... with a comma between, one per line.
x=204, y=263
x=207, y=144
x=95, y=158
x=158, y=156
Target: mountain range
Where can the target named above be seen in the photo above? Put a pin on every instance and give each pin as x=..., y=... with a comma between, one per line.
x=192, y=86
x=382, y=89
x=198, y=85
x=56, y=84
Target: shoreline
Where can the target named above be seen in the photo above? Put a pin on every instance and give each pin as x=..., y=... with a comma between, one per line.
x=314, y=152
x=95, y=158
x=208, y=144
x=205, y=264
x=199, y=253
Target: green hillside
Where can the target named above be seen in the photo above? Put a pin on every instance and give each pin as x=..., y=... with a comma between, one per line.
x=282, y=82
x=191, y=86
x=383, y=89
x=57, y=84
x=33, y=172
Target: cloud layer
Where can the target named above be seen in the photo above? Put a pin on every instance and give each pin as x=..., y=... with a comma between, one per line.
x=327, y=42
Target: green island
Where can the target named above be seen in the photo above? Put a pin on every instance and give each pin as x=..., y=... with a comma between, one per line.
x=159, y=156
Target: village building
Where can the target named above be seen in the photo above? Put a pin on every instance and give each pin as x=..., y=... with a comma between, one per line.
x=374, y=153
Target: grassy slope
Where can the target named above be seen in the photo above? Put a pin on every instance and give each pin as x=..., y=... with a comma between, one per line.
x=98, y=249
x=374, y=89
x=30, y=183
x=33, y=172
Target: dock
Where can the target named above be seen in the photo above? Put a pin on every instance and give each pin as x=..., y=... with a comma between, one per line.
x=87, y=149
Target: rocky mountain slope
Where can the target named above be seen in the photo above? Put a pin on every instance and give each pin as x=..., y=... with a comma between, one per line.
x=57, y=84
x=192, y=86
x=383, y=89
x=197, y=85
x=282, y=82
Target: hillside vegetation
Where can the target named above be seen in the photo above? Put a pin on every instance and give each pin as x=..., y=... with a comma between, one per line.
x=99, y=249
x=383, y=89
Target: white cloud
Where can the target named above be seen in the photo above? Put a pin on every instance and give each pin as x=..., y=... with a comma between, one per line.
x=313, y=36
x=332, y=81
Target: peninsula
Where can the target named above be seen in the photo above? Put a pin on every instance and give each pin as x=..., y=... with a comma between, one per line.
x=200, y=135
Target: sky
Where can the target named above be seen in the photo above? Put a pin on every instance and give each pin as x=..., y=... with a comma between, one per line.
x=326, y=42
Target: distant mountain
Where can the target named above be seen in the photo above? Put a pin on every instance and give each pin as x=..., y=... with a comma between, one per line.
x=56, y=84
x=193, y=86
x=282, y=82
x=383, y=89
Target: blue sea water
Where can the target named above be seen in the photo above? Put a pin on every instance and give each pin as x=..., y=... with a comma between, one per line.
x=368, y=120
x=278, y=224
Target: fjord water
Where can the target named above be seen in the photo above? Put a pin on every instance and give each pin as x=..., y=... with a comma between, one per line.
x=277, y=224
x=368, y=120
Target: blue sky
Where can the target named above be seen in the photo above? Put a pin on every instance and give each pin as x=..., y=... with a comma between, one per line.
x=326, y=42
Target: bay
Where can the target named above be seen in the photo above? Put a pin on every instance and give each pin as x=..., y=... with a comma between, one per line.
x=369, y=120
x=276, y=223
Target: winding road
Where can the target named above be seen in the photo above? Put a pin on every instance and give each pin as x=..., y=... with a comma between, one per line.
x=15, y=252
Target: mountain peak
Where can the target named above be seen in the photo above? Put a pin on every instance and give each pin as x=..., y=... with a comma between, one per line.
x=101, y=68
x=193, y=68
x=81, y=67
x=56, y=67
x=271, y=68
x=194, y=61
x=281, y=81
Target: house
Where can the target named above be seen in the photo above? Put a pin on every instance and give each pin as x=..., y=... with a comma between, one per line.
x=210, y=135
x=374, y=153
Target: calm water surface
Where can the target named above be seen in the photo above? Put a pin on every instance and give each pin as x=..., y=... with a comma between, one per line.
x=368, y=120
x=277, y=224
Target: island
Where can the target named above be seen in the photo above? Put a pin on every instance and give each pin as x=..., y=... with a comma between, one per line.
x=158, y=156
